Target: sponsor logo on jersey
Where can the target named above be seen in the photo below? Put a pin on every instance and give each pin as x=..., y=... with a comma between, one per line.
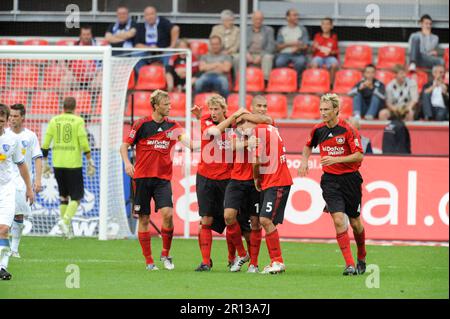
x=24, y=151
x=6, y=147
x=333, y=150
x=24, y=144
x=159, y=144
x=2, y=157
x=340, y=140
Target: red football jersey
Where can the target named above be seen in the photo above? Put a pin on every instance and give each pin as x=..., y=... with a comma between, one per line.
x=154, y=143
x=341, y=140
x=214, y=163
x=331, y=43
x=242, y=162
x=271, y=152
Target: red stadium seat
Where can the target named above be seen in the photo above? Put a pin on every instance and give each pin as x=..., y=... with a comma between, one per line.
x=282, y=80
x=255, y=80
x=83, y=70
x=8, y=42
x=233, y=102
x=201, y=99
x=357, y=56
x=277, y=106
x=446, y=58
x=53, y=75
x=420, y=77
x=384, y=76
x=3, y=75
x=14, y=97
x=345, y=80
x=35, y=42
x=142, y=106
x=151, y=77
x=315, y=81
x=24, y=76
x=178, y=104
x=389, y=56
x=102, y=42
x=132, y=80
x=346, y=107
x=199, y=47
x=84, y=100
x=306, y=107
x=45, y=102
x=67, y=42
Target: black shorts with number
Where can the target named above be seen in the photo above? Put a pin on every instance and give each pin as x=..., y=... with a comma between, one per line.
x=146, y=189
x=70, y=182
x=273, y=203
x=342, y=193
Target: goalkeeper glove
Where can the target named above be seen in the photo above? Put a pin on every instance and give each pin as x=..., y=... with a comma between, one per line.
x=91, y=168
x=46, y=169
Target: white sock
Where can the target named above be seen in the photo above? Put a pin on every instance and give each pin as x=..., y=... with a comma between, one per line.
x=4, y=253
x=16, y=234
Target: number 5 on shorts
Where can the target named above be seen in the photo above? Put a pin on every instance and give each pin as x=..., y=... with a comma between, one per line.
x=269, y=207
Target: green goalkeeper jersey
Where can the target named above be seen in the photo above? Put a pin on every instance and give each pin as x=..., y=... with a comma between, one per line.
x=68, y=134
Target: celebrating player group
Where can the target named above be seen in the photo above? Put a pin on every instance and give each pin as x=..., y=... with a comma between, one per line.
x=243, y=181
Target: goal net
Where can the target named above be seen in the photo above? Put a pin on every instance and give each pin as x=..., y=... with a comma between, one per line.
x=40, y=78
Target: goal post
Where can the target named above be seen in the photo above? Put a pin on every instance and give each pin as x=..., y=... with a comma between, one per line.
x=40, y=77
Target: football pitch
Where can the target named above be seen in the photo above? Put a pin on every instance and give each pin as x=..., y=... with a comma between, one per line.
x=115, y=269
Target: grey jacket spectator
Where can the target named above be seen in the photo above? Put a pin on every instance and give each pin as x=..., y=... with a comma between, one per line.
x=268, y=40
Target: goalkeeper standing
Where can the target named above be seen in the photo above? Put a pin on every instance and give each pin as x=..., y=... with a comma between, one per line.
x=68, y=134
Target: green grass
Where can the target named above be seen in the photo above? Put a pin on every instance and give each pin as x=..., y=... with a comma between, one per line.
x=115, y=269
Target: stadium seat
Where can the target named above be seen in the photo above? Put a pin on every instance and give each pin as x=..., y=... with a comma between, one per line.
x=199, y=47
x=151, y=77
x=141, y=102
x=3, y=75
x=53, y=75
x=282, y=80
x=178, y=104
x=132, y=80
x=345, y=80
x=83, y=70
x=255, y=80
x=385, y=76
x=315, y=81
x=24, y=76
x=8, y=42
x=306, y=107
x=233, y=102
x=446, y=58
x=357, y=56
x=84, y=100
x=277, y=106
x=45, y=102
x=102, y=42
x=35, y=42
x=420, y=77
x=13, y=97
x=346, y=107
x=202, y=98
x=389, y=56
x=67, y=42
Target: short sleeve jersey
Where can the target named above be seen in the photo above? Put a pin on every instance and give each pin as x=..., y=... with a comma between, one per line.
x=341, y=140
x=10, y=156
x=242, y=161
x=154, y=144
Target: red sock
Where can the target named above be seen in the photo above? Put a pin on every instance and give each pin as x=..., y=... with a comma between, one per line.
x=248, y=242
x=273, y=245
x=205, y=241
x=255, y=245
x=167, y=235
x=361, y=243
x=231, y=248
x=344, y=243
x=146, y=245
x=236, y=237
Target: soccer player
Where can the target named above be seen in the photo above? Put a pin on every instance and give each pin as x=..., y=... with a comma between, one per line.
x=10, y=155
x=30, y=148
x=213, y=173
x=273, y=179
x=66, y=133
x=154, y=137
x=341, y=156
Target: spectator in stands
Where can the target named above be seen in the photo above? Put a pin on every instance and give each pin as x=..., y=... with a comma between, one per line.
x=121, y=34
x=368, y=95
x=86, y=36
x=325, y=48
x=366, y=143
x=396, y=139
x=435, y=96
x=216, y=67
x=401, y=93
x=260, y=44
x=176, y=69
x=423, y=46
x=155, y=32
x=292, y=44
x=229, y=34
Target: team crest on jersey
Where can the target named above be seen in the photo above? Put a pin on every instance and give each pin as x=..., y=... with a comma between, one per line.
x=132, y=133
x=169, y=134
x=208, y=123
x=340, y=140
x=24, y=144
x=6, y=148
x=357, y=142
x=137, y=208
